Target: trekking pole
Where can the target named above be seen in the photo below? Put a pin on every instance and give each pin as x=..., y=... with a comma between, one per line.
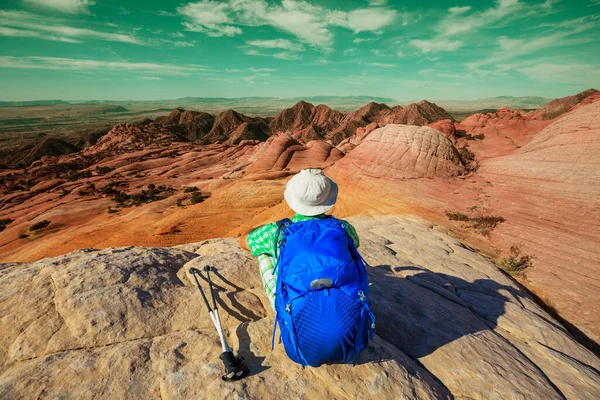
x=234, y=365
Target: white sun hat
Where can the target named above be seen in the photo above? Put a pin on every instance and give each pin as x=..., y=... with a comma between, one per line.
x=310, y=192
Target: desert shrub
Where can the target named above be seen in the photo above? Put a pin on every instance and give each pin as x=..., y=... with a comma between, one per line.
x=468, y=136
x=482, y=223
x=23, y=236
x=111, y=210
x=515, y=263
x=82, y=193
x=485, y=224
x=145, y=196
x=190, y=189
x=466, y=154
x=39, y=225
x=121, y=197
x=198, y=198
x=456, y=216
x=4, y=222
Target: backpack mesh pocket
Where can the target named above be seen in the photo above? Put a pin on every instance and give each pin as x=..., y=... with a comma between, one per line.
x=326, y=326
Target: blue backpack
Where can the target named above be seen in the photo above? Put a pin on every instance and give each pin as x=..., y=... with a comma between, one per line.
x=321, y=299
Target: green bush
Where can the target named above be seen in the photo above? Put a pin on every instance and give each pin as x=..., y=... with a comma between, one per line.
x=23, y=236
x=4, y=222
x=515, y=263
x=111, y=210
x=456, y=216
x=197, y=198
x=39, y=225
x=190, y=189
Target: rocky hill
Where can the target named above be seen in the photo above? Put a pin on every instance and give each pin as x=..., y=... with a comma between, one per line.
x=128, y=322
x=47, y=147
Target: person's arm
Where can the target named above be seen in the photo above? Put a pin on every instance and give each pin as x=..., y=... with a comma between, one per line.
x=353, y=235
x=259, y=240
x=244, y=242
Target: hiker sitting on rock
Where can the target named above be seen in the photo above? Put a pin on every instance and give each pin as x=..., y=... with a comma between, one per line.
x=314, y=277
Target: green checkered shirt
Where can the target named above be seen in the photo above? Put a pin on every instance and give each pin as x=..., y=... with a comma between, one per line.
x=261, y=242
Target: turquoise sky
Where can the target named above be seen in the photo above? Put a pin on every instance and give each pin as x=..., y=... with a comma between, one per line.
x=406, y=50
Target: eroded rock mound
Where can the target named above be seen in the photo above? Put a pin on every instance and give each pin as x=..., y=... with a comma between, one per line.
x=403, y=152
x=306, y=122
x=282, y=152
x=48, y=147
x=558, y=107
x=129, y=323
x=194, y=125
x=420, y=114
x=243, y=127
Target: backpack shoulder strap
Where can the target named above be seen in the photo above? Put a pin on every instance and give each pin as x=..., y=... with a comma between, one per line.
x=281, y=227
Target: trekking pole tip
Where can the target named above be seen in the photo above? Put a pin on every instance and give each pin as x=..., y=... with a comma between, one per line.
x=193, y=271
x=207, y=268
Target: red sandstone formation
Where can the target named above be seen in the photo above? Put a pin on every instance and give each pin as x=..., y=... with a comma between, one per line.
x=560, y=106
x=230, y=121
x=194, y=125
x=420, y=114
x=403, y=152
x=306, y=122
x=282, y=152
x=447, y=127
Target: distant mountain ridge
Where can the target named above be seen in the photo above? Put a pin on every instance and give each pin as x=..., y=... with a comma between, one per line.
x=524, y=103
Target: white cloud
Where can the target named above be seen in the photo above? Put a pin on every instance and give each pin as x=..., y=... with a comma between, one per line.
x=150, y=78
x=184, y=44
x=400, y=54
x=26, y=24
x=308, y=22
x=209, y=17
x=276, y=44
x=57, y=63
x=436, y=45
x=362, y=40
x=456, y=23
x=65, y=6
x=279, y=55
x=561, y=34
x=378, y=53
x=377, y=3
x=586, y=74
x=40, y=35
x=262, y=69
x=380, y=65
x=459, y=10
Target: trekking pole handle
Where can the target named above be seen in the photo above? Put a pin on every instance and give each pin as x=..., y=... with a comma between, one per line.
x=207, y=268
x=195, y=271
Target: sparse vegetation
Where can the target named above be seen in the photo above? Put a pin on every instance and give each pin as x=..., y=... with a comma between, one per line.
x=468, y=158
x=111, y=210
x=23, y=235
x=154, y=193
x=4, y=222
x=39, y=225
x=515, y=263
x=456, y=216
x=190, y=189
x=481, y=223
x=198, y=198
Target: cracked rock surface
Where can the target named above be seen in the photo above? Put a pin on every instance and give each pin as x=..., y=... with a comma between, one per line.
x=128, y=322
